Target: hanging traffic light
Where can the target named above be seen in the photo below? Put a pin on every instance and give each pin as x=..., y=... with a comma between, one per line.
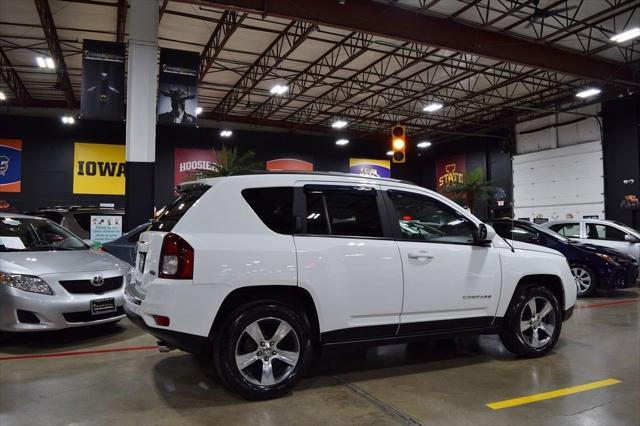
x=398, y=144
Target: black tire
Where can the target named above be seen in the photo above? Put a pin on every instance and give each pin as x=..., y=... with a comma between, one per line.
x=234, y=338
x=592, y=277
x=521, y=342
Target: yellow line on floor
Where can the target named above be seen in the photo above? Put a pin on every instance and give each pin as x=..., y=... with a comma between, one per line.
x=552, y=394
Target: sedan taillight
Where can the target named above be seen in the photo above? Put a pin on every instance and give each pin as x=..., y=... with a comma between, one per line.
x=176, y=258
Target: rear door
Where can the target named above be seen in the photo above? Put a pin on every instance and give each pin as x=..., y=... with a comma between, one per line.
x=348, y=261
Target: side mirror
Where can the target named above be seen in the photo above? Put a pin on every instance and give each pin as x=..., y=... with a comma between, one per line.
x=484, y=234
x=630, y=238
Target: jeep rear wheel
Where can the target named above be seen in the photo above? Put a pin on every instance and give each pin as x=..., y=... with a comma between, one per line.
x=533, y=321
x=263, y=351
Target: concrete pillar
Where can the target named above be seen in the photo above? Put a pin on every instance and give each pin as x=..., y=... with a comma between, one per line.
x=142, y=87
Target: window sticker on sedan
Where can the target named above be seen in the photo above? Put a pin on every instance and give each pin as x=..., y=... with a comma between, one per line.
x=12, y=243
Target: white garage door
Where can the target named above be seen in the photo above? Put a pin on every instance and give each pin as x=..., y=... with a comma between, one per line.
x=559, y=183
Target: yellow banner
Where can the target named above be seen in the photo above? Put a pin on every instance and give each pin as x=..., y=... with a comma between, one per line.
x=98, y=169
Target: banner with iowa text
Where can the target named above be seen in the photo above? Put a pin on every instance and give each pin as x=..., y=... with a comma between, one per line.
x=98, y=169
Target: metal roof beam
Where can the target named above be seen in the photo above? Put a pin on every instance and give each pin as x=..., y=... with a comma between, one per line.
x=291, y=37
x=49, y=29
x=229, y=23
x=13, y=80
x=398, y=23
x=121, y=20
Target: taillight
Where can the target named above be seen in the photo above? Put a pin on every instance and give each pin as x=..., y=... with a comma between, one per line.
x=176, y=258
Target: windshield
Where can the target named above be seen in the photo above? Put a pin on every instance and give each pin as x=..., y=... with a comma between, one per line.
x=35, y=234
x=549, y=232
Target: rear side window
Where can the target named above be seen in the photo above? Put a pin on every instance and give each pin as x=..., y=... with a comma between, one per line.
x=571, y=230
x=177, y=208
x=349, y=212
x=274, y=207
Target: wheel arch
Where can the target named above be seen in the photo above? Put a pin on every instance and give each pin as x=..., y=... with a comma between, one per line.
x=295, y=297
x=552, y=282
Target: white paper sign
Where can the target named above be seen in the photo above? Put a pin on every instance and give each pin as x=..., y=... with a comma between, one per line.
x=12, y=243
x=105, y=228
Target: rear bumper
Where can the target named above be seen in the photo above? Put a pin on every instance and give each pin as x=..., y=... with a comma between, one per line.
x=174, y=339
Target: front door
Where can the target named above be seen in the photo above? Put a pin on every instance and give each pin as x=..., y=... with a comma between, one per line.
x=449, y=281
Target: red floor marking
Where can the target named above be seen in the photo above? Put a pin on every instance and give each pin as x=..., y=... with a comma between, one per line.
x=597, y=305
x=94, y=352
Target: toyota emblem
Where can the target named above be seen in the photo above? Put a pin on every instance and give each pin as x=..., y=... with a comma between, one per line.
x=97, y=281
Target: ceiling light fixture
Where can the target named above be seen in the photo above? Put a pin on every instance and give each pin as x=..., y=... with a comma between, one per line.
x=424, y=144
x=587, y=93
x=67, y=119
x=279, y=89
x=342, y=142
x=626, y=35
x=432, y=107
x=339, y=124
x=41, y=62
x=50, y=63
x=226, y=133
x=198, y=110
x=389, y=153
x=2, y=96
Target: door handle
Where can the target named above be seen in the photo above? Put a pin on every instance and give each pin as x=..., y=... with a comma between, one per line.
x=419, y=255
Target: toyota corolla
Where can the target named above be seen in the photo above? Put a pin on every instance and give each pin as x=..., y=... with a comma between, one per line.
x=50, y=279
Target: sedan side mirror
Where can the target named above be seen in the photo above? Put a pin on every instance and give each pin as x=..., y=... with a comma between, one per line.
x=630, y=238
x=484, y=234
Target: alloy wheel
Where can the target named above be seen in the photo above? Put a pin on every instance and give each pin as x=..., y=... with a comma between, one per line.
x=267, y=361
x=537, y=322
x=582, y=278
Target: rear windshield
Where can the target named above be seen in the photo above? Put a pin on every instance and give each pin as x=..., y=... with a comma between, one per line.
x=177, y=208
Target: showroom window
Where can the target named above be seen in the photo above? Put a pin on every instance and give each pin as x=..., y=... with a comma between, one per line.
x=425, y=219
x=346, y=212
x=274, y=206
x=570, y=230
x=604, y=232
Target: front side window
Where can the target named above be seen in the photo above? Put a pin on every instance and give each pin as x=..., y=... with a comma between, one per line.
x=604, y=232
x=31, y=234
x=345, y=212
x=422, y=218
x=274, y=206
x=516, y=233
x=570, y=230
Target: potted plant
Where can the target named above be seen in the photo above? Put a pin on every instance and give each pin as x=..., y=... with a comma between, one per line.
x=230, y=162
x=473, y=190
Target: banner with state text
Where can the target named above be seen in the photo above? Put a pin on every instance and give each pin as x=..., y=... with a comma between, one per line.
x=450, y=171
x=10, y=165
x=98, y=169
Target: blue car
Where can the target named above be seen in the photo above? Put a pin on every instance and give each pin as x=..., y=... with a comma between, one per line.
x=594, y=267
x=124, y=248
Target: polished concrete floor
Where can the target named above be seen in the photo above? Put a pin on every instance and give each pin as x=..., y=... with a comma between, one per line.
x=436, y=383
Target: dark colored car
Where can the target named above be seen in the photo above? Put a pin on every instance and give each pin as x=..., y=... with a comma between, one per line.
x=592, y=266
x=76, y=219
x=124, y=248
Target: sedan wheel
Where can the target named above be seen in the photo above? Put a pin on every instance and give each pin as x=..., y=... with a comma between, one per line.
x=583, y=278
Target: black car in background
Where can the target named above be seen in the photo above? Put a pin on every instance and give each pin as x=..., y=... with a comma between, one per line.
x=76, y=219
x=124, y=248
x=594, y=267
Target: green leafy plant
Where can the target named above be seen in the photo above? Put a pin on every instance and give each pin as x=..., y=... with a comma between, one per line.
x=230, y=162
x=474, y=189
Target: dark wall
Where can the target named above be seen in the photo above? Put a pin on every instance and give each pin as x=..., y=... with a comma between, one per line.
x=621, y=151
x=47, y=160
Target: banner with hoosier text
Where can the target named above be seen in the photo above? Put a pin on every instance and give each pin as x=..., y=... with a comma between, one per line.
x=450, y=171
x=10, y=165
x=369, y=167
x=102, y=95
x=98, y=169
x=188, y=162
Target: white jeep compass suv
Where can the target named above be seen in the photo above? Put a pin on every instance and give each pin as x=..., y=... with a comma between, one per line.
x=258, y=270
